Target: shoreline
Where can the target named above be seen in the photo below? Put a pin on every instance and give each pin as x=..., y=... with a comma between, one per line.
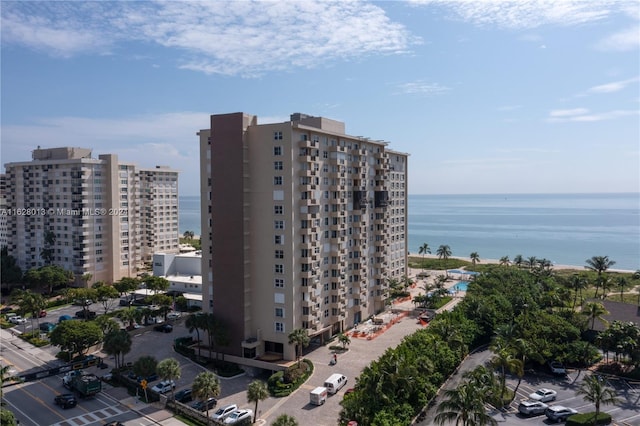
x=497, y=262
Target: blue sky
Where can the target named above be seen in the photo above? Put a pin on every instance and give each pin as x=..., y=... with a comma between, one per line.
x=487, y=97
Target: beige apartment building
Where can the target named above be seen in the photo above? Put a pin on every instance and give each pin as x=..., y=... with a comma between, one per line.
x=89, y=215
x=303, y=226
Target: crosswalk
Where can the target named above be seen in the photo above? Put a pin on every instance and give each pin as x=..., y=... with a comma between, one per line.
x=95, y=416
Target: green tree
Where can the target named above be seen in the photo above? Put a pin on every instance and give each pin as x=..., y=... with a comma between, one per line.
x=188, y=235
x=256, y=392
x=344, y=340
x=464, y=406
x=107, y=296
x=593, y=311
x=285, y=420
x=83, y=294
x=206, y=385
x=196, y=322
x=169, y=369
x=29, y=303
x=127, y=285
x=444, y=252
x=7, y=417
x=130, y=315
x=117, y=343
x=76, y=337
x=600, y=265
x=10, y=272
x=504, y=261
x=145, y=366
x=594, y=390
x=51, y=276
x=106, y=324
x=424, y=249
x=156, y=284
x=518, y=260
x=475, y=258
x=576, y=283
x=504, y=361
x=300, y=338
x=85, y=278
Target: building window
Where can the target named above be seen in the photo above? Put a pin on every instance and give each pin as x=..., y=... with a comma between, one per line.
x=279, y=254
x=277, y=150
x=277, y=165
x=278, y=210
x=277, y=180
x=279, y=327
x=280, y=312
x=279, y=269
x=277, y=136
x=279, y=282
x=279, y=224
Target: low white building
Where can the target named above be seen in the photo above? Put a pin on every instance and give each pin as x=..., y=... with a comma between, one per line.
x=184, y=273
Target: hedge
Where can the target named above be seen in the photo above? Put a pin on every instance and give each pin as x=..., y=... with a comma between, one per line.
x=278, y=384
x=587, y=419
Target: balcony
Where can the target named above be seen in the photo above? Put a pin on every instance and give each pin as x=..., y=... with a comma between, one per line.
x=307, y=143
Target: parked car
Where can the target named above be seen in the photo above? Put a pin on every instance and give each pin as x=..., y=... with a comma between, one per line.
x=532, y=407
x=164, y=386
x=64, y=318
x=238, y=416
x=559, y=413
x=17, y=319
x=42, y=313
x=556, y=367
x=173, y=315
x=222, y=412
x=47, y=327
x=164, y=328
x=183, y=395
x=82, y=302
x=66, y=400
x=85, y=314
x=543, y=395
x=204, y=405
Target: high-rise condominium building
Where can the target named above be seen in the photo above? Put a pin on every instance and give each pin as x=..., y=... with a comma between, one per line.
x=89, y=216
x=303, y=226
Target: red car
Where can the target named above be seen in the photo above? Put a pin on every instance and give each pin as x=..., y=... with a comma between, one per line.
x=42, y=314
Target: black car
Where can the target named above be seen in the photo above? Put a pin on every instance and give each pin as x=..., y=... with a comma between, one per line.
x=205, y=405
x=165, y=328
x=66, y=400
x=88, y=314
x=183, y=396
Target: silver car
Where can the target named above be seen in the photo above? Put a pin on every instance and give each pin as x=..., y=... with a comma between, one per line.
x=559, y=413
x=532, y=408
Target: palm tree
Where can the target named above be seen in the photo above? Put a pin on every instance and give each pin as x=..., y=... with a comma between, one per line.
x=344, y=339
x=577, y=283
x=424, y=249
x=531, y=262
x=504, y=261
x=188, y=235
x=443, y=252
x=593, y=311
x=518, y=260
x=622, y=282
x=599, y=264
x=195, y=322
x=169, y=369
x=464, y=406
x=594, y=390
x=504, y=361
x=256, y=392
x=206, y=385
x=475, y=258
x=301, y=339
x=285, y=420
x=117, y=343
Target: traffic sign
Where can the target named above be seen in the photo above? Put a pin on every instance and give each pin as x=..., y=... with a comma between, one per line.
x=143, y=383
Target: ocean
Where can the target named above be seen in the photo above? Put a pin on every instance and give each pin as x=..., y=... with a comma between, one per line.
x=566, y=229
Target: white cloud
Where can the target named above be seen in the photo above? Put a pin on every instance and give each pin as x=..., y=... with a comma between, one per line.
x=614, y=86
x=584, y=115
x=527, y=14
x=422, y=87
x=233, y=38
x=568, y=112
x=628, y=39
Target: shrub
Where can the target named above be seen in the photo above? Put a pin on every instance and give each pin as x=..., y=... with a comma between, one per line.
x=587, y=419
x=283, y=383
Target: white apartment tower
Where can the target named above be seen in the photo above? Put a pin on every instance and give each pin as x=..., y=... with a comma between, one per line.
x=89, y=216
x=303, y=226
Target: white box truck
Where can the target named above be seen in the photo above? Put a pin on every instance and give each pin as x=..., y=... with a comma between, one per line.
x=335, y=382
x=318, y=396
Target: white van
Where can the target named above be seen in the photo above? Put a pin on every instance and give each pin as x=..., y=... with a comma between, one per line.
x=335, y=382
x=318, y=396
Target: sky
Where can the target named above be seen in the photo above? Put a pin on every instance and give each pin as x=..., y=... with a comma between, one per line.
x=485, y=96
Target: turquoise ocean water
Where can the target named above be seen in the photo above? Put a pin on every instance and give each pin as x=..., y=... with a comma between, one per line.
x=564, y=228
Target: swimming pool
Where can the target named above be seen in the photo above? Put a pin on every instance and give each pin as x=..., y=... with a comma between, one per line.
x=460, y=286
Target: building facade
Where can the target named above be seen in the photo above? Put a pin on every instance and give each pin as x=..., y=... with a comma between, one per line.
x=303, y=226
x=184, y=273
x=94, y=216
